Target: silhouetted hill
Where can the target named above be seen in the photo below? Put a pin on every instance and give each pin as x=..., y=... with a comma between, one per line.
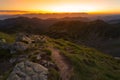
x=54, y=15
x=68, y=27
x=75, y=18
x=11, y=14
x=83, y=30
x=24, y=24
x=114, y=21
x=32, y=25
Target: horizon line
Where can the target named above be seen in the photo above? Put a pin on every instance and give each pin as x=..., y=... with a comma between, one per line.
x=50, y=12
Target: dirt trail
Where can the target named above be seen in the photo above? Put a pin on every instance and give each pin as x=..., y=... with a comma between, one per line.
x=64, y=67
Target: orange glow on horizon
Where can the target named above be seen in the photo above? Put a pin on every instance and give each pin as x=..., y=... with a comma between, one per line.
x=61, y=6
x=60, y=11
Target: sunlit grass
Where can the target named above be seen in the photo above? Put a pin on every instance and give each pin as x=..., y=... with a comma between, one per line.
x=88, y=63
x=7, y=37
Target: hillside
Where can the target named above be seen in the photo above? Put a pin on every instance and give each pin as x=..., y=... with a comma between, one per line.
x=94, y=34
x=72, y=27
x=7, y=37
x=79, y=30
x=57, y=58
x=87, y=63
x=84, y=30
x=23, y=24
x=32, y=25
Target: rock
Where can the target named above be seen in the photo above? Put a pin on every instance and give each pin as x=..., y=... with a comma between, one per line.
x=5, y=46
x=2, y=40
x=19, y=46
x=44, y=63
x=47, y=64
x=43, y=39
x=18, y=59
x=38, y=57
x=22, y=58
x=118, y=58
x=12, y=51
x=1, y=77
x=28, y=71
x=12, y=60
x=23, y=38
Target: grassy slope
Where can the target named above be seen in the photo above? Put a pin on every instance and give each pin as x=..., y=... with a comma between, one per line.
x=88, y=63
x=7, y=37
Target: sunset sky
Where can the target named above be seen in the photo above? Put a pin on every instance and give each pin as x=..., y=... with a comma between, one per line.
x=90, y=6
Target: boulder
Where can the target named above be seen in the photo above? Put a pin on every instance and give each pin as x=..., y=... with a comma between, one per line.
x=2, y=40
x=4, y=46
x=3, y=43
x=28, y=71
x=23, y=38
x=19, y=58
x=19, y=46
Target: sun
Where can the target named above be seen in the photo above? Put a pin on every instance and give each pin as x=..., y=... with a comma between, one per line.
x=71, y=8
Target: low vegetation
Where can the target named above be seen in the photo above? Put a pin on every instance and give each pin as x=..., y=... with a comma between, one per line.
x=9, y=38
x=88, y=63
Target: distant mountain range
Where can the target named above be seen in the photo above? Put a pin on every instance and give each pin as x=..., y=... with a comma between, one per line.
x=66, y=25
x=13, y=11
x=110, y=18
x=25, y=23
x=4, y=14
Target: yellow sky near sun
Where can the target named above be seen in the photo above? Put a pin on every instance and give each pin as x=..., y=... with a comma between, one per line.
x=96, y=6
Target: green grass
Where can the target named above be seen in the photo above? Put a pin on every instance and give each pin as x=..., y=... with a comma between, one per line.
x=88, y=63
x=48, y=52
x=4, y=54
x=8, y=37
x=6, y=74
x=53, y=74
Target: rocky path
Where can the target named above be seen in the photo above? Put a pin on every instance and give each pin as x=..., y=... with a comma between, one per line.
x=64, y=67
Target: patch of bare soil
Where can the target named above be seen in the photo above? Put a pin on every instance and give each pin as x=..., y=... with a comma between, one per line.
x=63, y=65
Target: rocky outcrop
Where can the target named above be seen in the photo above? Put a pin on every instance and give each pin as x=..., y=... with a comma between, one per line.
x=28, y=71
x=18, y=59
x=32, y=57
x=29, y=38
x=23, y=38
x=3, y=44
x=20, y=46
x=2, y=40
